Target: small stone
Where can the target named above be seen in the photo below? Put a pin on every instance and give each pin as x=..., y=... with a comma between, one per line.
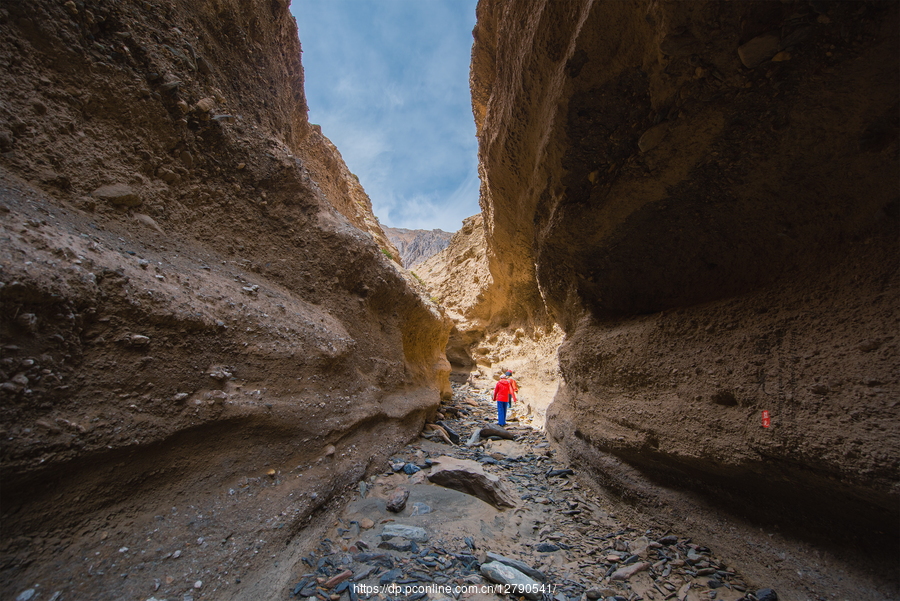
x=546, y=548
x=397, y=501
x=639, y=546
x=176, y=554
x=117, y=194
x=198, y=584
x=362, y=489
x=758, y=50
x=402, y=545
x=653, y=136
x=139, y=340
x=204, y=105
x=336, y=580
x=518, y=565
x=520, y=583
x=330, y=450
x=25, y=595
x=629, y=571
x=390, y=576
x=366, y=523
x=766, y=594
x=867, y=346
x=70, y=6
x=782, y=56
x=411, y=468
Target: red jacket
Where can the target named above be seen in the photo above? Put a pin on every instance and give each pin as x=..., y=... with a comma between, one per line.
x=503, y=393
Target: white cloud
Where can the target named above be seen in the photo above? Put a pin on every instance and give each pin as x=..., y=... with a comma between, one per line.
x=388, y=83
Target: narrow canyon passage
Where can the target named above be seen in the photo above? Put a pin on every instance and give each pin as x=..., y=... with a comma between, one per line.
x=220, y=380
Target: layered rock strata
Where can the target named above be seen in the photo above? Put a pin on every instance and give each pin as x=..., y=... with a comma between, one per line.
x=704, y=196
x=197, y=315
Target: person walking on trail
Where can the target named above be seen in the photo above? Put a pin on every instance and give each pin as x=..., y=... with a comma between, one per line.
x=513, y=385
x=503, y=394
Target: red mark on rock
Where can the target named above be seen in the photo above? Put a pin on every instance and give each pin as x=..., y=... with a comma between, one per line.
x=765, y=419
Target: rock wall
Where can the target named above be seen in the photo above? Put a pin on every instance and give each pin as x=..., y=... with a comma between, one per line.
x=417, y=245
x=200, y=334
x=704, y=196
x=479, y=348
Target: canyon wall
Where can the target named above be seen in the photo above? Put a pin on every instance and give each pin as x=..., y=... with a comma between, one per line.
x=479, y=348
x=416, y=246
x=704, y=196
x=201, y=335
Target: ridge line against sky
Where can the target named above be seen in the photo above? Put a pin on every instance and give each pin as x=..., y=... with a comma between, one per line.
x=388, y=82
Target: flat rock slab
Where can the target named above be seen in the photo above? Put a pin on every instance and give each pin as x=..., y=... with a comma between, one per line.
x=413, y=533
x=509, y=448
x=117, y=194
x=504, y=574
x=469, y=477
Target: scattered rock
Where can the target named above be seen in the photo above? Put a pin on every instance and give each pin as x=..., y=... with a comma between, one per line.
x=518, y=565
x=628, y=571
x=496, y=431
x=758, y=50
x=397, y=501
x=504, y=574
x=653, y=136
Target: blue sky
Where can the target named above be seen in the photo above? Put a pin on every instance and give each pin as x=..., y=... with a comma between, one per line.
x=388, y=81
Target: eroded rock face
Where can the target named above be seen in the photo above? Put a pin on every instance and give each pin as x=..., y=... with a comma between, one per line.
x=417, y=246
x=704, y=196
x=195, y=358
x=492, y=333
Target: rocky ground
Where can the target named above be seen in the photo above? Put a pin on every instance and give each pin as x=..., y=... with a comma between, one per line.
x=402, y=537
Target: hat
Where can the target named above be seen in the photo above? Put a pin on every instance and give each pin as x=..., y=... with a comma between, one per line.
x=508, y=372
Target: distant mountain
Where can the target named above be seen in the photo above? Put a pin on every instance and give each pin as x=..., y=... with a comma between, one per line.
x=417, y=245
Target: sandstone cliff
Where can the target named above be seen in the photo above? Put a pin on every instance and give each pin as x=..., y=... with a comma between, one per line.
x=416, y=246
x=199, y=329
x=704, y=196
x=480, y=349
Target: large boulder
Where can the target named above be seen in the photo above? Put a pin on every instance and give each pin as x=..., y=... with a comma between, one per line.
x=469, y=477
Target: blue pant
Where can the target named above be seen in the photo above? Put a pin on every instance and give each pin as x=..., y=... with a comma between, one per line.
x=501, y=412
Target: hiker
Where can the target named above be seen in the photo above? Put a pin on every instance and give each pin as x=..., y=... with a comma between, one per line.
x=513, y=385
x=504, y=395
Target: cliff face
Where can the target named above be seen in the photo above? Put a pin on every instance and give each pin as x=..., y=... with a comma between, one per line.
x=704, y=196
x=194, y=300
x=416, y=246
x=480, y=349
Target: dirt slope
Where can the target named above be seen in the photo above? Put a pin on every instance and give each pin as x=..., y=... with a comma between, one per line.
x=201, y=338
x=703, y=195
